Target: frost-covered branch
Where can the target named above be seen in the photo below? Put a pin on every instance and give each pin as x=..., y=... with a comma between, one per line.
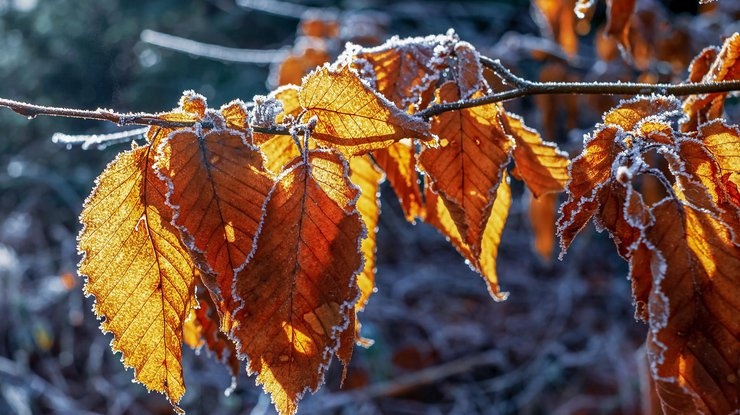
x=139, y=118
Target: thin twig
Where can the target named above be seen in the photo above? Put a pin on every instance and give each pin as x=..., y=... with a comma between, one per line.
x=583, y=88
x=522, y=88
x=207, y=50
x=140, y=118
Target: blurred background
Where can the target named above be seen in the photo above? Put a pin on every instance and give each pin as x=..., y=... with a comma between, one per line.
x=565, y=342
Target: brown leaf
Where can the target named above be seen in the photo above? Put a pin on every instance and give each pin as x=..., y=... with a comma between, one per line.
x=292, y=315
x=218, y=185
x=137, y=269
x=540, y=164
x=692, y=345
x=306, y=55
x=401, y=69
x=350, y=116
x=398, y=161
x=203, y=328
x=591, y=172
x=467, y=166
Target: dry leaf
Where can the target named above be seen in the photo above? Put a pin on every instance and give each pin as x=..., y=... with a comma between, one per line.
x=218, y=185
x=311, y=228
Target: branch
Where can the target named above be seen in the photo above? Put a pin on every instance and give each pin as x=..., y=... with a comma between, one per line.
x=139, y=118
x=207, y=50
x=525, y=88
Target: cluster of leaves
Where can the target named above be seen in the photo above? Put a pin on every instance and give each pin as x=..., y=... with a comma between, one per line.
x=269, y=212
x=278, y=230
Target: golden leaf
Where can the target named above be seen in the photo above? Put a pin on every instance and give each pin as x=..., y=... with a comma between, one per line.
x=293, y=314
x=218, y=185
x=692, y=344
x=350, y=116
x=618, y=23
x=557, y=20
x=542, y=217
x=138, y=270
x=540, y=164
x=365, y=175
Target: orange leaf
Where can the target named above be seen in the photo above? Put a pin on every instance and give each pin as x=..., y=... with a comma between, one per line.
x=398, y=161
x=694, y=302
x=350, y=116
x=368, y=178
x=217, y=187
x=292, y=315
x=542, y=217
x=137, y=269
x=466, y=169
x=591, y=171
x=726, y=67
x=279, y=150
x=542, y=166
x=306, y=55
x=618, y=22
x=557, y=20
x=439, y=216
x=401, y=68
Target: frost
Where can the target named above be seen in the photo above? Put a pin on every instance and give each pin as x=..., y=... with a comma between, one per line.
x=98, y=141
x=266, y=109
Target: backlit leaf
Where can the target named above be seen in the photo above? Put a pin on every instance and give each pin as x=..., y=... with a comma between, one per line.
x=692, y=345
x=293, y=313
x=405, y=70
x=217, y=187
x=138, y=270
x=467, y=166
x=591, y=171
x=352, y=117
x=726, y=67
x=288, y=97
x=540, y=164
x=398, y=161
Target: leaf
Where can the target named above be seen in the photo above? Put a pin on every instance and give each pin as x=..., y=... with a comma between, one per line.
x=368, y=179
x=398, y=161
x=137, y=269
x=218, y=185
x=726, y=67
x=556, y=19
x=692, y=344
x=293, y=314
x=279, y=151
x=203, y=327
x=305, y=56
x=542, y=217
x=619, y=14
x=591, y=171
x=439, y=216
x=404, y=70
x=467, y=166
x=235, y=115
x=350, y=116
x=540, y=164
